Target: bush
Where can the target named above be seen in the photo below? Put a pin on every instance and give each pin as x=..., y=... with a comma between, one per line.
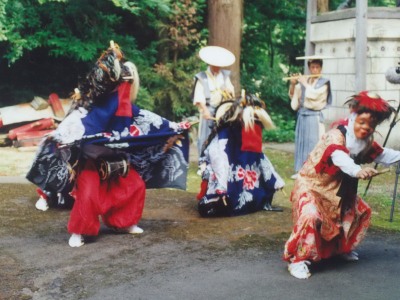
x=284, y=131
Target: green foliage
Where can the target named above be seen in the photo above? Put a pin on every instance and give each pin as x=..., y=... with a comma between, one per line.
x=284, y=131
x=172, y=82
x=3, y=20
x=163, y=6
x=181, y=29
x=159, y=36
x=273, y=36
x=171, y=86
x=65, y=28
x=382, y=3
x=278, y=27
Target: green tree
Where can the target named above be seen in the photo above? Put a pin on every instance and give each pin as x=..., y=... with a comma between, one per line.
x=180, y=36
x=47, y=44
x=273, y=37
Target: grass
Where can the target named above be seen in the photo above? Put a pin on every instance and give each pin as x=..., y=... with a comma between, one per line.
x=379, y=196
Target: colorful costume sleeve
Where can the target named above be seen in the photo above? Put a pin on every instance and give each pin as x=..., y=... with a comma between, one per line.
x=326, y=164
x=158, y=149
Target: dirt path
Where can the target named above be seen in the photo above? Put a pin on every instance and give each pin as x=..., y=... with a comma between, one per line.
x=38, y=263
x=179, y=256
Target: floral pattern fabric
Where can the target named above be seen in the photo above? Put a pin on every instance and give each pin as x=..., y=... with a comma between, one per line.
x=245, y=179
x=328, y=216
x=157, y=148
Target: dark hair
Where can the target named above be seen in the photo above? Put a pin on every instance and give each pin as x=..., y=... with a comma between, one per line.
x=315, y=61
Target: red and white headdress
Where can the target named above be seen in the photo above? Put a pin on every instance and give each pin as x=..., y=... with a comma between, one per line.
x=367, y=102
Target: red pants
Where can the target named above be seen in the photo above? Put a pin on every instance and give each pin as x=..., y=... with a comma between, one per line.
x=118, y=201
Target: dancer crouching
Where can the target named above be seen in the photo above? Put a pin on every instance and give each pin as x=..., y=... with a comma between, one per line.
x=126, y=149
x=329, y=217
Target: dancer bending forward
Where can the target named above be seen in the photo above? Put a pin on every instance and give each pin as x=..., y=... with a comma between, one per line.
x=329, y=217
x=239, y=178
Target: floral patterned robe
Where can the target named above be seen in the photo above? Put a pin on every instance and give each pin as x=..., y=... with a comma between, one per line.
x=239, y=178
x=329, y=217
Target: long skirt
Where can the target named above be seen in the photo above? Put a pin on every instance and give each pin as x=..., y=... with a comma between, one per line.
x=119, y=201
x=309, y=129
x=306, y=241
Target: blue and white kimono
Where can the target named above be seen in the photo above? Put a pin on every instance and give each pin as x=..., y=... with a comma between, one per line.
x=239, y=178
x=156, y=148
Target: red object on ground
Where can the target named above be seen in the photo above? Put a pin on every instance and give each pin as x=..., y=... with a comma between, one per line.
x=56, y=105
x=34, y=126
x=203, y=189
x=32, y=134
x=30, y=138
x=1, y=122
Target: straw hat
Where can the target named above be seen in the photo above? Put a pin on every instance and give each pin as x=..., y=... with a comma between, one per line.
x=314, y=57
x=217, y=56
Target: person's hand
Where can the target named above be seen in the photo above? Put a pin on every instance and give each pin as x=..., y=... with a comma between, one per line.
x=303, y=80
x=366, y=173
x=227, y=94
x=294, y=81
x=184, y=125
x=206, y=114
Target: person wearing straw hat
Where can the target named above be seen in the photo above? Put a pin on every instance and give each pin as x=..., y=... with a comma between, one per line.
x=210, y=89
x=309, y=96
x=329, y=218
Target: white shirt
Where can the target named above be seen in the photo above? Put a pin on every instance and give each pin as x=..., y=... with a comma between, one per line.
x=314, y=98
x=344, y=161
x=216, y=84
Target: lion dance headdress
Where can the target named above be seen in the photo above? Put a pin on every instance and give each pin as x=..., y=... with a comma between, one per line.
x=109, y=71
x=247, y=110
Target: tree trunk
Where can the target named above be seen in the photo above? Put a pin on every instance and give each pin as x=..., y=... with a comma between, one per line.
x=323, y=6
x=225, y=30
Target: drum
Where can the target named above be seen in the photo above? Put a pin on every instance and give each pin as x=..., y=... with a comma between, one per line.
x=113, y=167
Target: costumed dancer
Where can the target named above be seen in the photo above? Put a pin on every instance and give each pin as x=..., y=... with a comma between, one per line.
x=238, y=178
x=211, y=87
x=123, y=150
x=329, y=217
x=309, y=96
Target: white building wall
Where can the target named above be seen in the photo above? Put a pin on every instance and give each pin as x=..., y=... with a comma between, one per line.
x=335, y=37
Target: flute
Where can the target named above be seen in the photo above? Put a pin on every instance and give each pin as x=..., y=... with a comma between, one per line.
x=298, y=76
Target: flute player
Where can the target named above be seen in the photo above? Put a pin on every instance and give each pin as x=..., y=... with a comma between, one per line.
x=309, y=96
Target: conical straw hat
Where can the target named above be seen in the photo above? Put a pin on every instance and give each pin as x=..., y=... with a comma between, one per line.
x=217, y=56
